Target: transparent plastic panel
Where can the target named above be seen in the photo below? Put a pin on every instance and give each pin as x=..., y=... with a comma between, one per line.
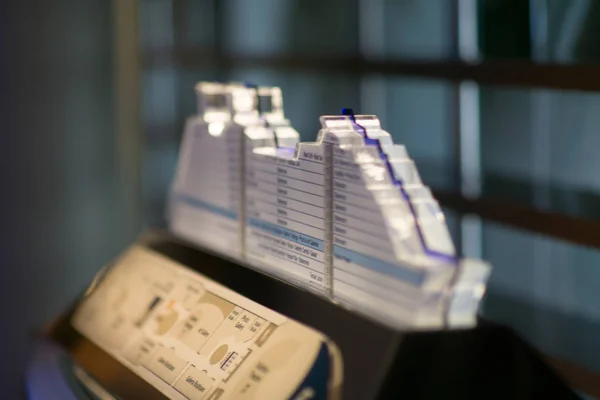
x=306, y=95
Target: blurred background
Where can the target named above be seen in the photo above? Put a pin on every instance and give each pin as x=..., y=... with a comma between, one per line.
x=498, y=102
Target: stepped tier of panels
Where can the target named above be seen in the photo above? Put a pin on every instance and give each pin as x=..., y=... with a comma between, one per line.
x=346, y=216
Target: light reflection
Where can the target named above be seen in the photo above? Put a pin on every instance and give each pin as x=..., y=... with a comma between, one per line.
x=216, y=128
x=364, y=157
x=376, y=173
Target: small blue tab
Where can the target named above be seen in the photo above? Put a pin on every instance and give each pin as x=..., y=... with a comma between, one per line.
x=349, y=112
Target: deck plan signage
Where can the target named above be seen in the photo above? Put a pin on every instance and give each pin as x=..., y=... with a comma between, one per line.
x=192, y=338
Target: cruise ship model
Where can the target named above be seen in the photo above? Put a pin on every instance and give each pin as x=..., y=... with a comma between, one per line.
x=346, y=216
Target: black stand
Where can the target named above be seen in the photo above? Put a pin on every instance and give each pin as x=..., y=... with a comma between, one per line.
x=489, y=362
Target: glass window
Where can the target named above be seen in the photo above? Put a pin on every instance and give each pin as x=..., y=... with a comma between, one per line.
x=546, y=289
x=414, y=29
x=453, y=221
x=195, y=25
x=504, y=28
x=418, y=114
x=290, y=27
x=542, y=30
x=539, y=147
x=156, y=25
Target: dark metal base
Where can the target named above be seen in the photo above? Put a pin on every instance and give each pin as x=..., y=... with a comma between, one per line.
x=489, y=362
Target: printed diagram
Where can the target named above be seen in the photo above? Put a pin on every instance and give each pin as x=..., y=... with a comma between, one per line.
x=181, y=331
